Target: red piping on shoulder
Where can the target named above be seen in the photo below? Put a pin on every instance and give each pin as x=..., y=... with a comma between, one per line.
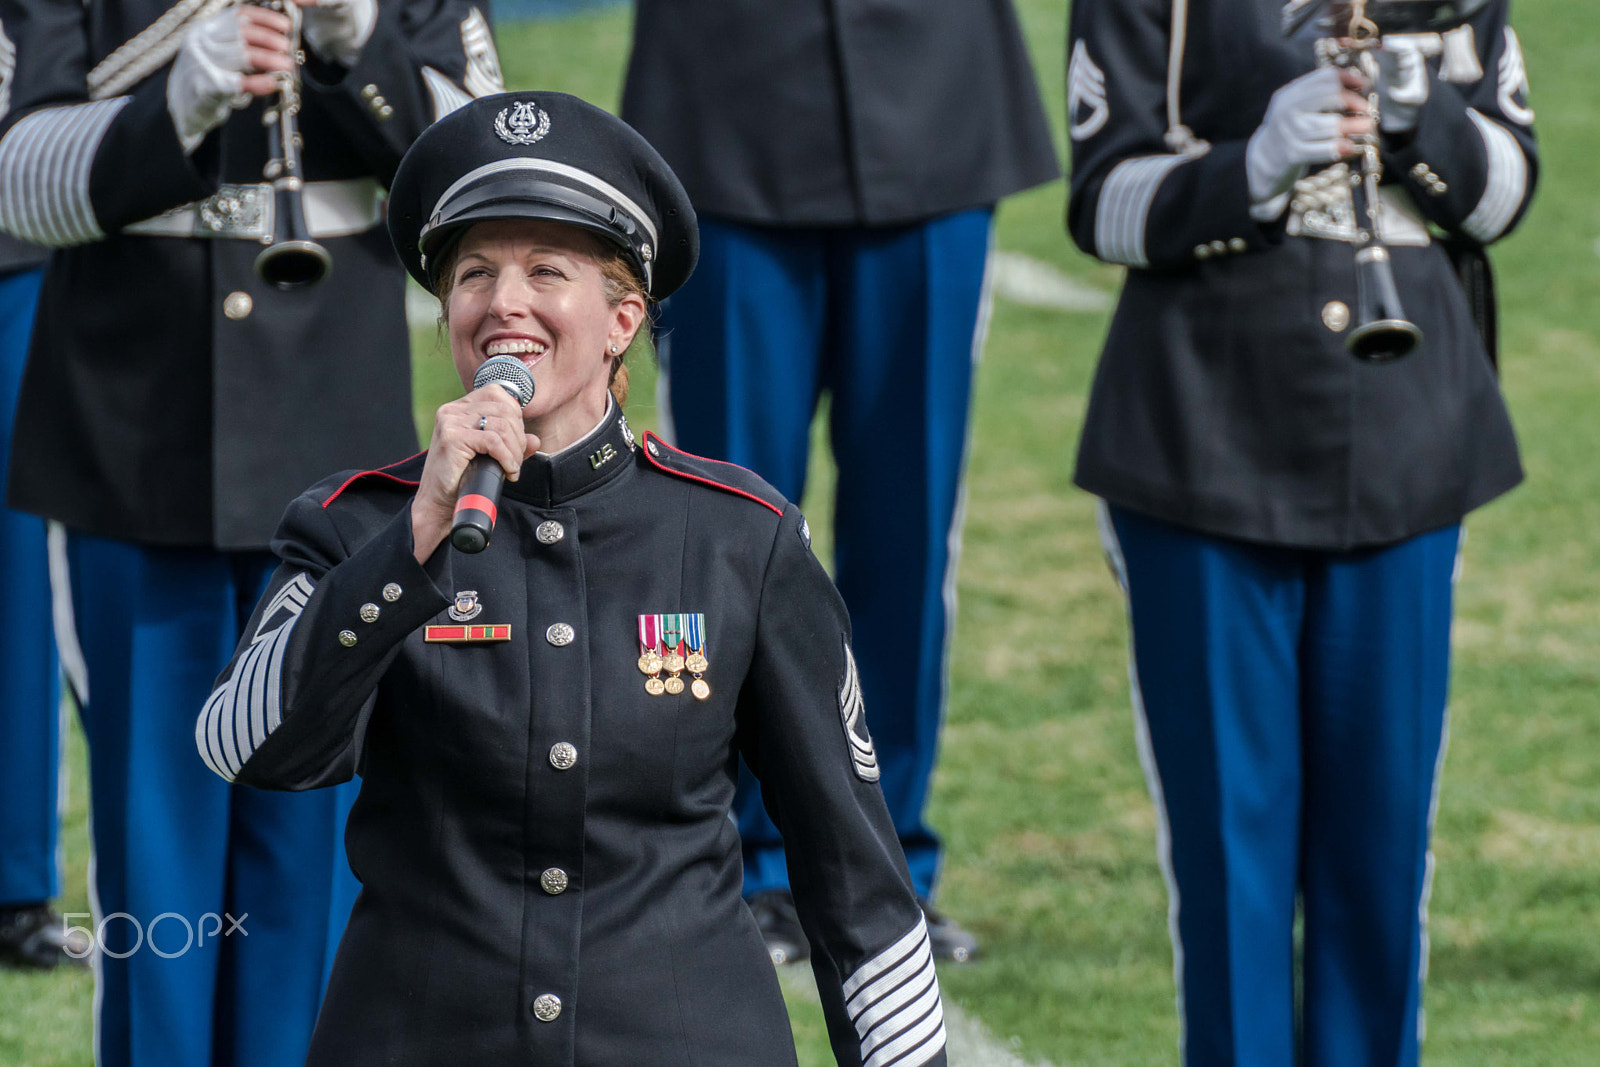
x=379, y=473
x=650, y=436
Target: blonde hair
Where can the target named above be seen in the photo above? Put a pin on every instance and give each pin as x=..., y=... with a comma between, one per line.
x=616, y=273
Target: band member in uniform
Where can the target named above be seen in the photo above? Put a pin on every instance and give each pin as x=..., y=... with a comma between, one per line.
x=1285, y=518
x=547, y=729
x=846, y=157
x=31, y=933
x=174, y=402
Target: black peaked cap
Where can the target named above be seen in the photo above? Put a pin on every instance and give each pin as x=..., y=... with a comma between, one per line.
x=542, y=155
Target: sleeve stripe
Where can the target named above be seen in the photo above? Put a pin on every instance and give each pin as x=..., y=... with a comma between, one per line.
x=1507, y=185
x=893, y=1001
x=447, y=95
x=916, y=1046
x=243, y=711
x=885, y=984
x=44, y=173
x=886, y=959
x=1124, y=207
x=892, y=1015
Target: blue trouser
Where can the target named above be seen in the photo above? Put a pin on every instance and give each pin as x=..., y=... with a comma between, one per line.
x=156, y=626
x=889, y=321
x=1291, y=718
x=30, y=719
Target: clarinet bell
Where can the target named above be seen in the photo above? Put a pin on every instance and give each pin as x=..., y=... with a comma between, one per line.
x=1382, y=331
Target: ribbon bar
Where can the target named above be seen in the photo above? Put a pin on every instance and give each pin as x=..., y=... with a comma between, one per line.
x=466, y=635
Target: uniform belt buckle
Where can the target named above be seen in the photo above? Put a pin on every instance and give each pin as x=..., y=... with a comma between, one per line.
x=1323, y=207
x=238, y=211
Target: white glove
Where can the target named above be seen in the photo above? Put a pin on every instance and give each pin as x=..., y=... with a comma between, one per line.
x=204, y=86
x=1402, y=85
x=1304, y=125
x=337, y=29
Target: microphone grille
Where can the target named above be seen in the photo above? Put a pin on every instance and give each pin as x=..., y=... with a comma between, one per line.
x=508, y=373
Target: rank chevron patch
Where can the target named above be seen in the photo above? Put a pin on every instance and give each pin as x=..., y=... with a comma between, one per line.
x=852, y=713
x=1086, y=89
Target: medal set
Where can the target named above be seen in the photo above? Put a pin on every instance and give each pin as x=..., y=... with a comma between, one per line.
x=673, y=643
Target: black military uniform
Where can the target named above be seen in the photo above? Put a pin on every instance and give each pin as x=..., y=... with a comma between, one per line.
x=549, y=871
x=1226, y=400
x=227, y=392
x=1283, y=517
x=172, y=406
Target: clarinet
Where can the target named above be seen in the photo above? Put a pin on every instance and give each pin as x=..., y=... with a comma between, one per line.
x=291, y=260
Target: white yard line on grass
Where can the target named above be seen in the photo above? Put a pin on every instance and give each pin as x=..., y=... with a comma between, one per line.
x=1022, y=279
x=969, y=1042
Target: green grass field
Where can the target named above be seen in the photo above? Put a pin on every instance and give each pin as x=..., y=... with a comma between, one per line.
x=1051, y=835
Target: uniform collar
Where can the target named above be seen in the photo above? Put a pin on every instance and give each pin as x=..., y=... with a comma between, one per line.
x=596, y=458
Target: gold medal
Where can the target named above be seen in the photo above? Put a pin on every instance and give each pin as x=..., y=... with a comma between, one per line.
x=655, y=686
x=673, y=662
x=674, y=685
x=650, y=663
x=700, y=689
x=696, y=663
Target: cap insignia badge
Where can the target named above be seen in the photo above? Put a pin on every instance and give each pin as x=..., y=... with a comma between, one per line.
x=466, y=608
x=524, y=122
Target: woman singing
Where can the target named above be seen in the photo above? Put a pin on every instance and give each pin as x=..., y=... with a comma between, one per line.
x=546, y=731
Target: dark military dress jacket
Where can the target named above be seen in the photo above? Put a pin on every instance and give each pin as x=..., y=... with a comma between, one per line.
x=1225, y=399
x=171, y=397
x=549, y=872
x=838, y=112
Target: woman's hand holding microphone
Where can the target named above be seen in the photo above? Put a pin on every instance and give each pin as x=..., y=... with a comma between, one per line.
x=487, y=421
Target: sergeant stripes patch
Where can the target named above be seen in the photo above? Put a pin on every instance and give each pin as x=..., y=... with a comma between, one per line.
x=1514, y=80
x=246, y=708
x=1086, y=88
x=893, y=1001
x=852, y=713
x=8, y=66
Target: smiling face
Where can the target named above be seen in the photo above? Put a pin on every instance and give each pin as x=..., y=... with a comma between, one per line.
x=535, y=290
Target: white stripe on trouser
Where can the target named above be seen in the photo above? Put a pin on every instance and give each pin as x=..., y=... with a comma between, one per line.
x=1429, y=863
x=1152, y=776
x=68, y=651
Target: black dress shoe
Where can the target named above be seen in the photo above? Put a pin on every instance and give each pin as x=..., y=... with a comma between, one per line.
x=780, y=926
x=34, y=937
x=948, y=939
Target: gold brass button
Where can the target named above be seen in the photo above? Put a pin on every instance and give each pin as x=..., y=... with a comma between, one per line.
x=563, y=757
x=391, y=592
x=550, y=532
x=553, y=881
x=1335, y=315
x=1219, y=247
x=560, y=634
x=1238, y=244
x=238, y=305
x=347, y=638
x=368, y=92
x=369, y=613
x=1202, y=251
x=546, y=1007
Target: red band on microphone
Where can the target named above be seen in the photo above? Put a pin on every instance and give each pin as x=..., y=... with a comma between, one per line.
x=474, y=502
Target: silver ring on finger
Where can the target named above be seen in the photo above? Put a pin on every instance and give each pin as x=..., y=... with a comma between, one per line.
x=483, y=422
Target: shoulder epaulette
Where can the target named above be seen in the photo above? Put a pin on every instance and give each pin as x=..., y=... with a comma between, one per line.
x=729, y=477
x=407, y=471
